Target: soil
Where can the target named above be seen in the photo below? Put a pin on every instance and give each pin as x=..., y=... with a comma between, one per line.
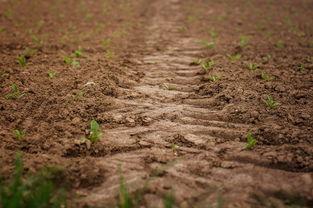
x=167, y=127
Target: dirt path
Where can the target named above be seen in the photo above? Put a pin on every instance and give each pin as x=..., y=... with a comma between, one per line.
x=169, y=124
x=168, y=128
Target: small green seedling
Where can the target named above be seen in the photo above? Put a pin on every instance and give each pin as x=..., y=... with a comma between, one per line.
x=250, y=142
x=21, y=60
x=208, y=44
x=19, y=135
x=310, y=44
x=244, y=41
x=300, y=68
x=169, y=87
x=234, y=57
x=251, y=66
x=16, y=94
x=293, y=29
x=269, y=57
x=182, y=28
x=175, y=147
x=212, y=33
x=71, y=62
x=169, y=201
x=31, y=52
x=52, y=74
x=67, y=60
x=280, y=44
x=75, y=63
x=100, y=27
x=260, y=28
x=10, y=13
x=95, y=133
x=221, y=17
x=109, y=54
x=270, y=102
x=79, y=52
x=2, y=30
x=89, y=16
x=214, y=78
x=192, y=18
x=265, y=76
x=79, y=94
x=37, y=40
x=268, y=34
x=106, y=43
x=196, y=61
x=207, y=65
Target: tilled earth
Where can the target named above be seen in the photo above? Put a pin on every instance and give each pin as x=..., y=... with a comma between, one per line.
x=168, y=128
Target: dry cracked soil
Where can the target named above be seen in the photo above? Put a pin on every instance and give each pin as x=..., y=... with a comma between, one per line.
x=176, y=86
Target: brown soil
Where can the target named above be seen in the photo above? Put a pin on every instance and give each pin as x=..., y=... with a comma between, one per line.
x=150, y=97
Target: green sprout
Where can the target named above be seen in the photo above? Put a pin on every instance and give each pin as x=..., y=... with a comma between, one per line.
x=260, y=28
x=74, y=41
x=31, y=52
x=110, y=54
x=182, y=28
x=269, y=57
x=100, y=27
x=95, y=133
x=75, y=63
x=234, y=57
x=125, y=200
x=118, y=34
x=250, y=142
x=310, y=44
x=300, y=68
x=280, y=44
x=192, y=18
x=169, y=87
x=79, y=94
x=212, y=34
x=34, y=191
x=208, y=44
x=221, y=17
x=214, y=78
x=10, y=13
x=244, y=41
x=79, y=52
x=293, y=29
x=270, y=102
x=196, y=61
x=251, y=66
x=71, y=62
x=268, y=34
x=21, y=60
x=265, y=76
x=52, y=74
x=207, y=65
x=37, y=40
x=106, y=43
x=169, y=201
x=16, y=94
x=2, y=30
x=89, y=16
x=19, y=134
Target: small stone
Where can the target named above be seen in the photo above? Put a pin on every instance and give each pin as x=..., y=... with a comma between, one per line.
x=88, y=144
x=76, y=120
x=90, y=84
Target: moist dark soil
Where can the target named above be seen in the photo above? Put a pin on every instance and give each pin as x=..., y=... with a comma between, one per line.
x=168, y=127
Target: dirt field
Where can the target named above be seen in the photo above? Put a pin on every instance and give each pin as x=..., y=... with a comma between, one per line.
x=177, y=87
